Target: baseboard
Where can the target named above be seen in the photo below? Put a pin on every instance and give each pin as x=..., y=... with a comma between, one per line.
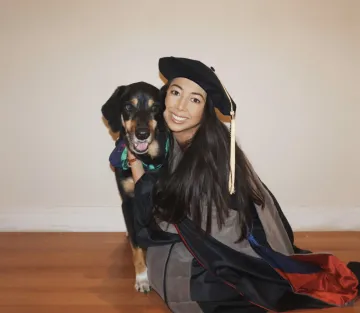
x=67, y=219
x=110, y=219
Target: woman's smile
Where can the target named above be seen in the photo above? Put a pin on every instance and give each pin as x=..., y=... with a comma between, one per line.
x=178, y=119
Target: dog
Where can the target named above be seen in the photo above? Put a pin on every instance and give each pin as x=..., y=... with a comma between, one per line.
x=135, y=111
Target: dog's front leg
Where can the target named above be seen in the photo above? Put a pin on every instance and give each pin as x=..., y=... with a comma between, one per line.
x=139, y=259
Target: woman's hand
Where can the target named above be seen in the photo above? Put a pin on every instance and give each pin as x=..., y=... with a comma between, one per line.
x=136, y=166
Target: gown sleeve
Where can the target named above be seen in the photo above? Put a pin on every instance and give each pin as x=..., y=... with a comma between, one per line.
x=286, y=223
x=147, y=232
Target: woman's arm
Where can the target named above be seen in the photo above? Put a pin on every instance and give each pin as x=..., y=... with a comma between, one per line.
x=146, y=235
x=137, y=168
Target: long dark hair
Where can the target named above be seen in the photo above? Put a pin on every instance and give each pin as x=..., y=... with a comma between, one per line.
x=199, y=183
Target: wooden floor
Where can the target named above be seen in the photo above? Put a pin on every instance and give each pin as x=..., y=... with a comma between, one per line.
x=92, y=272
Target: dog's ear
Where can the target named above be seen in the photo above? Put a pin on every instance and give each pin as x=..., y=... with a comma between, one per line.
x=112, y=107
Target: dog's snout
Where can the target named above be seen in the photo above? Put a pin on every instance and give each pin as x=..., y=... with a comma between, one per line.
x=142, y=133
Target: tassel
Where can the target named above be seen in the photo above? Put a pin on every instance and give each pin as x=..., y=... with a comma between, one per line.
x=232, y=153
x=232, y=141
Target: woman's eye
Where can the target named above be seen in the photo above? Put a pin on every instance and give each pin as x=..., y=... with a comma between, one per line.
x=174, y=92
x=196, y=100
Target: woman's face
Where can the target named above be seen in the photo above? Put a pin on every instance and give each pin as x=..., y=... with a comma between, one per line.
x=184, y=105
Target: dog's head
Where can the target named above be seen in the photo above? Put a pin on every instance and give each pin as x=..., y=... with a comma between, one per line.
x=136, y=112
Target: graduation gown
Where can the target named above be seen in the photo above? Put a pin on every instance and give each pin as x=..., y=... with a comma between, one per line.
x=194, y=272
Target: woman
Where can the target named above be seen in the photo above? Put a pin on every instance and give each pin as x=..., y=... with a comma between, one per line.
x=216, y=238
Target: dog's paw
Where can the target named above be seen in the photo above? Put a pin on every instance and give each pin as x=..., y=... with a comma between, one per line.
x=142, y=282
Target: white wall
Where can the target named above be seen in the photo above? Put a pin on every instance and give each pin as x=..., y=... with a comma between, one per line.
x=291, y=66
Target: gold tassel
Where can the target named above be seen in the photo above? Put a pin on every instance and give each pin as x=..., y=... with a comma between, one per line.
x=232, y=152
x=232, y=141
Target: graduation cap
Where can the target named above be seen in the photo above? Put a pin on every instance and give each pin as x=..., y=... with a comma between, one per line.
x=205, y=77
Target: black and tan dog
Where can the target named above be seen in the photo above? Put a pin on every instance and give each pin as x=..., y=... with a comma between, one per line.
x=136, y=113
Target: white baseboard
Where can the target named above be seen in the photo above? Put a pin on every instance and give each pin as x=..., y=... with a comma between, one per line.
x=110, y=219
x=324, y=219
x=67, y=219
